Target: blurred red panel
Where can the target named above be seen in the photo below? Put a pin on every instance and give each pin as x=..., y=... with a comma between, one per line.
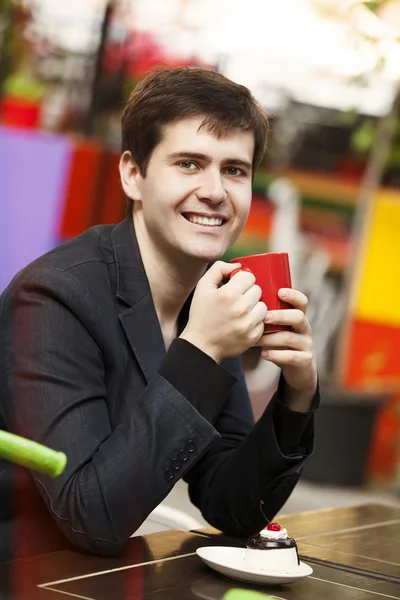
x=384, y=456
x=260, y=217
x=80, y=197
x=373, y=353
x=112, y=203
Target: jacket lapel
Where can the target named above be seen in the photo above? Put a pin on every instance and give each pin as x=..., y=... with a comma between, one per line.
x=144, y=335
x=138, y=316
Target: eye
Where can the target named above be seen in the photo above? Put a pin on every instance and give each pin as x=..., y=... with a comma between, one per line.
x=234, y=172
x=187, y=165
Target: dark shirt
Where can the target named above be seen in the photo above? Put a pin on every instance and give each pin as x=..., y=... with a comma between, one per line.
x=83, y=369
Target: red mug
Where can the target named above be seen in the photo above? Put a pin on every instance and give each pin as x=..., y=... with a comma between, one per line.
x=272, y=272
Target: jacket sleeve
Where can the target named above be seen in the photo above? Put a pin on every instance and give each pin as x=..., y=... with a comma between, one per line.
x=56, y=394
x=251, y=463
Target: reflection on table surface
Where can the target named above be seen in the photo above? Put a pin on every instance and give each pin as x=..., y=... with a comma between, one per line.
x=165, y=566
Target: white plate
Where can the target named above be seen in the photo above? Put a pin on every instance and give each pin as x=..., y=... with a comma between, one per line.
x=230, y=562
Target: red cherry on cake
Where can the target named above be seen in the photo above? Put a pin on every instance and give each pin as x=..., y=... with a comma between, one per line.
x=274, y=527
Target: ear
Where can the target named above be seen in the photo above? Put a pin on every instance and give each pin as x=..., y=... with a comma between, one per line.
x=130, y=176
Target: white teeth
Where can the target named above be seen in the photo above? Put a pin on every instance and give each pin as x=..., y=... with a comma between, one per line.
x=204, y=220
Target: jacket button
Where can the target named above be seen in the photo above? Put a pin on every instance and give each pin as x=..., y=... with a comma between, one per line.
x=175, y=465
x=182, y=456
x=168, y=474
x=190, y=446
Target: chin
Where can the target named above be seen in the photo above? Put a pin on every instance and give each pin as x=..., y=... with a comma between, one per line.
x=206, y=256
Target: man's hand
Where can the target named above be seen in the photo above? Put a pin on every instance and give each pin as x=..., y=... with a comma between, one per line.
x=225, y=321
x=293, y=351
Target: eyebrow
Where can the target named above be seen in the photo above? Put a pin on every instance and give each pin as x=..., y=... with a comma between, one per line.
x=203, y=157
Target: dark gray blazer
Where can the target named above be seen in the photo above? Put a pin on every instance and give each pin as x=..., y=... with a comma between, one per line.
x=83, y=369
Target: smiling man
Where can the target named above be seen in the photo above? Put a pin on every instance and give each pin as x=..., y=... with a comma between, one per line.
x=121, y=347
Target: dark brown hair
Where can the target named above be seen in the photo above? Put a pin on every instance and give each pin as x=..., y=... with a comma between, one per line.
x=167, y=95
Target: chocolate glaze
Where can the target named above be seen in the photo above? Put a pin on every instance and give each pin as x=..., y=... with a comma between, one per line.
x=257, y=542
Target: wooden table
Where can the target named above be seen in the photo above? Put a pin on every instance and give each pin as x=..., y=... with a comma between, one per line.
x=355, y=554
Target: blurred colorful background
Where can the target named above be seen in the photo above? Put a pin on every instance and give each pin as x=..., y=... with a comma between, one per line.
x=328, y=190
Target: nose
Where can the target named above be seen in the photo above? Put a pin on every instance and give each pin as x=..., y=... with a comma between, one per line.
x=212, y=188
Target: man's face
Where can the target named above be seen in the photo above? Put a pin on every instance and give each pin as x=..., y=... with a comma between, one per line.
x=196, y=195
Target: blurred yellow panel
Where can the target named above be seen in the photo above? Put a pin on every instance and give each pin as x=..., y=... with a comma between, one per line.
x=379, y=292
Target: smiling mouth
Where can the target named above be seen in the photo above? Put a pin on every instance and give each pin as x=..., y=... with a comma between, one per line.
x=202, y=220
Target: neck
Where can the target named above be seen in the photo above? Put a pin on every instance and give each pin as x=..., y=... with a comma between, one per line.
x=171, y=278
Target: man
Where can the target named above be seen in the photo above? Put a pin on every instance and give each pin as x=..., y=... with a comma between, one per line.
x=120, y=347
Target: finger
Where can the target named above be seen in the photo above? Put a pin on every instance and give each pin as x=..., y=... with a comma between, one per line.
x=219, y=271
x=294, y=297
x=252, y=296
x=257, y=322
x=240, y=283
x=294, y=318
x=286, y=339
x=285, y=358
x=257, y=315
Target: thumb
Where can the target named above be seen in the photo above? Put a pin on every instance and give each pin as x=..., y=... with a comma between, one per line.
x=219, y=271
